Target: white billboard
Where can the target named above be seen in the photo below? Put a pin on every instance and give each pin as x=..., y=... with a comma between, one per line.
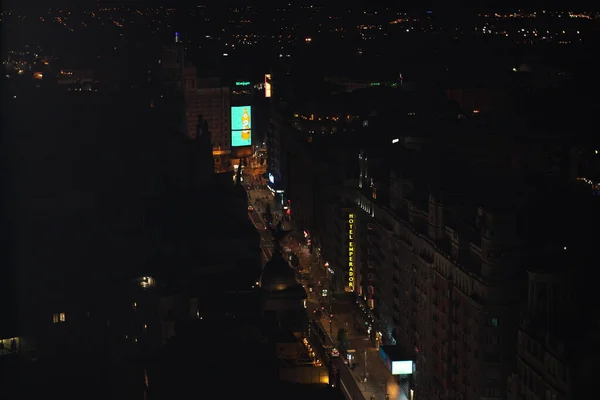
x=402, y=367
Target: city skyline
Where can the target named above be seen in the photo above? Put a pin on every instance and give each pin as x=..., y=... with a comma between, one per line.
x=401, y=214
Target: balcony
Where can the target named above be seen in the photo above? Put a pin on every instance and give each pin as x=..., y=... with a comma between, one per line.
x=426, y=258
x=373, y=254
x=374, y=230
x=372, y=239
x=405, y=241
x=387, y=227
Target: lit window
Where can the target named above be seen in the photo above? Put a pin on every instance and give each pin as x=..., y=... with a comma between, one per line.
x=59, y=317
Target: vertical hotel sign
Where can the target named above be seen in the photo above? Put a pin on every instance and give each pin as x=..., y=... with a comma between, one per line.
x=351, y=251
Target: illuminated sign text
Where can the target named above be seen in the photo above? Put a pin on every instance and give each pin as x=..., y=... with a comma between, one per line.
x=351, y=252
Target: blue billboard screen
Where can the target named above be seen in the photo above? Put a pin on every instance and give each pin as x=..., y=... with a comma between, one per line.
x=241, y=126
x=241, y=118
x=241, y=138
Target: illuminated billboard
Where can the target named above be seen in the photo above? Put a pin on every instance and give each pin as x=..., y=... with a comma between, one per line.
x=394, y=360
x=351, y=252
x=241, y=126
x=267, y=85
x=402, y=367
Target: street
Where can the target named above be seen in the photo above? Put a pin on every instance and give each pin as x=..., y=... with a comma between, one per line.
x=379, y=383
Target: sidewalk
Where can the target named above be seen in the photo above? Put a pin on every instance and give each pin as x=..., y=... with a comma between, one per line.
x=379, y=378
x=346, y=314
x=260, y=197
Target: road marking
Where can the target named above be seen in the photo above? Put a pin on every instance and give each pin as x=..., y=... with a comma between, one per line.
x=345, y=390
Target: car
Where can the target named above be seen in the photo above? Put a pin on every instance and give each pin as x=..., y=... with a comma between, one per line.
x=334, y=352
x=250, y=208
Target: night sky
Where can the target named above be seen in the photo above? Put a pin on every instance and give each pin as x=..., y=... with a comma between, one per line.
x=452, y=6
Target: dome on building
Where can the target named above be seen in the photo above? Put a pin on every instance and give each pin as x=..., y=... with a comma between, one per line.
x=277, y=274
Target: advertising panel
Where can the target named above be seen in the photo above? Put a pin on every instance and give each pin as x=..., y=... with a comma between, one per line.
x=402, y=367
x=241, y=118
x=351, y=252
x=396, y=364
x=241, y=126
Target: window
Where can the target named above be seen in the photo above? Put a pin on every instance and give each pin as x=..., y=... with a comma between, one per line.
x=493, y=340
x=59, y=317
x=493, y=321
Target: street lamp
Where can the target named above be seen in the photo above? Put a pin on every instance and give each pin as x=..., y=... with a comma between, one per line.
x=385, y=387
x=366, y=371
x=328, y=273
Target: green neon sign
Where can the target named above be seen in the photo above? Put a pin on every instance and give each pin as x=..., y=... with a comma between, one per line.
x=242, y=83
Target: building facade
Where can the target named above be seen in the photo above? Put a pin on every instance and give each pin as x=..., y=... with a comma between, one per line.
x=279, y=140
x=440, y=288
x=557, y=339
x=213, y=102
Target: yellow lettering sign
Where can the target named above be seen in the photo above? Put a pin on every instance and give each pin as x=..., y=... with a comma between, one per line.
x=351, y=251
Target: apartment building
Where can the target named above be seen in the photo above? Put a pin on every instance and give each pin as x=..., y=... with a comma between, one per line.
x=213, y=102
x=280, y=140
x=438, y=272
x=557, y=339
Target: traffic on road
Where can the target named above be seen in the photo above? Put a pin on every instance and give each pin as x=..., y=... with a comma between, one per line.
x=356, y=367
